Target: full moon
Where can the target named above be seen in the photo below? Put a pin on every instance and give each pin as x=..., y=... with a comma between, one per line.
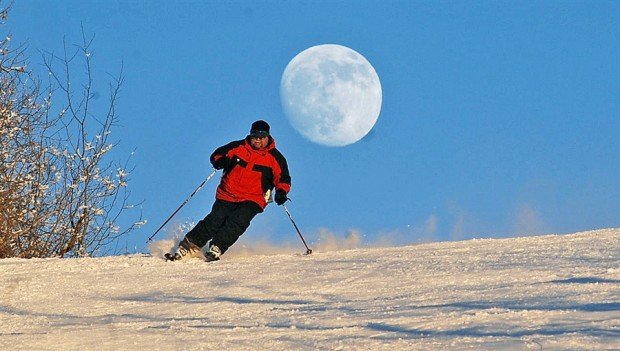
x=331, y=95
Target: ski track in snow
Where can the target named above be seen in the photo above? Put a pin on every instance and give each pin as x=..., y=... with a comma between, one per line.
x=552, y=292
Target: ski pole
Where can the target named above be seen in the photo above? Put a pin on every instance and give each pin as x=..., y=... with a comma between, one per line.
x=308, y=250
x=183, y=204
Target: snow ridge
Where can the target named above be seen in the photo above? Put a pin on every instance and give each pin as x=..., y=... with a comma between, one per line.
x=552, y=292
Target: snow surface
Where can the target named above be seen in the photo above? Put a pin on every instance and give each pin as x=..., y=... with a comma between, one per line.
x=553, y=292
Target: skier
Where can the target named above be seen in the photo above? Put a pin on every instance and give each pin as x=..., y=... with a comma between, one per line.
x=252, y=168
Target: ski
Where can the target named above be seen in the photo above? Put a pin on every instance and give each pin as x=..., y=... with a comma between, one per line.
x=171, y=257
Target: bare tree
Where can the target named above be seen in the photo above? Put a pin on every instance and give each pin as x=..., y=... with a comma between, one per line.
x=60, y=193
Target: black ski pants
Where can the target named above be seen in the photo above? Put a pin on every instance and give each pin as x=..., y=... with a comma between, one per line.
x=225, y=224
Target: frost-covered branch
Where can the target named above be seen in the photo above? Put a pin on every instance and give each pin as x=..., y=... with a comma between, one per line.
x=61, y=192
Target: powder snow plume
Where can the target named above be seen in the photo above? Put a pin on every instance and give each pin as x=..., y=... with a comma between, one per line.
x=324, y=241
x=175, y=233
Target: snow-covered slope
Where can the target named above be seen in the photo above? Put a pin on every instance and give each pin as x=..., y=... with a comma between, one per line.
x=555, y=292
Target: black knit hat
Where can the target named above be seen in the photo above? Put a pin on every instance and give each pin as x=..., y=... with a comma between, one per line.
x=259, y=129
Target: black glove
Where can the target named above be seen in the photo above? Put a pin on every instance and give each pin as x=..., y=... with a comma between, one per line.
x=222, y=163
x=280, y=197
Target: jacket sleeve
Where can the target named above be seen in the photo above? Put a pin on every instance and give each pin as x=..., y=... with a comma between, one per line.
x=281, y=176
x=222, y=151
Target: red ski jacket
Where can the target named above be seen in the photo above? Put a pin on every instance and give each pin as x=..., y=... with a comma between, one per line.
x=251, y=173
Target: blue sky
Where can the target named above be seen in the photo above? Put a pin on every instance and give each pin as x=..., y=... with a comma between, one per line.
x=499, y=118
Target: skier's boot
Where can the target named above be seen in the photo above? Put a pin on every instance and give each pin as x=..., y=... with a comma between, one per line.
x=186, y=250
x=213, y=254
